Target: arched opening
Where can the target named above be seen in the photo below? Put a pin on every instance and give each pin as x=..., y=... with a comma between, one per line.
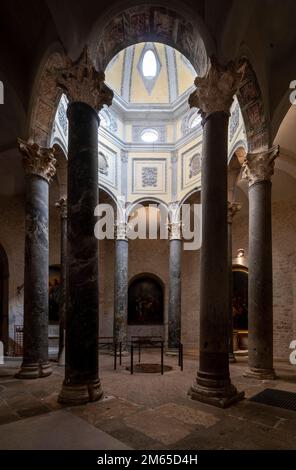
x=4, y=276
x=54, y=281
x=145, y=300
x=240, y=301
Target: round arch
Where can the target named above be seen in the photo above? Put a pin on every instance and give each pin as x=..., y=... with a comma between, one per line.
x=188, y=196
x=45, y=97
x=239, y=149
x=62, y=165
x=145, y=300
x=144, y=201
x=122, y=26
x=253, y=110
x=177, y=26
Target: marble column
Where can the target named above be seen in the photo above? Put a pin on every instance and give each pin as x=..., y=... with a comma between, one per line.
x=175, y=262
x=121, y=285
x=232, y=209
x=87, y=93
x=213, y=96
x=39, y=165
x=258, y=169
x=62, y=206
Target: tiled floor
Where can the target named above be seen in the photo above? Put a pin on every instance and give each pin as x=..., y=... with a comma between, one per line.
x=143, y=411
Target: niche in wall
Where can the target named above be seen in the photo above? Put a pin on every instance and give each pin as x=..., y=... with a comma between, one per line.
x=54, y=293
x=240, y=308
x=145, y=301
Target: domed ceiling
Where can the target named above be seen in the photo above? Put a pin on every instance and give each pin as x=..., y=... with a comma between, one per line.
x=150, y=73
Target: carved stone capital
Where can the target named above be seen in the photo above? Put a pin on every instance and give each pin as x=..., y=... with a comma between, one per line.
x=232, y=209
x=214, y=92
x=121, y=230
x=80, y=81
x=38, y=160
x=260, y=166
x=62, y=205
x=175, y=230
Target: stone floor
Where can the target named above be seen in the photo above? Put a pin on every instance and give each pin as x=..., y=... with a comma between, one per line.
x=142, y=411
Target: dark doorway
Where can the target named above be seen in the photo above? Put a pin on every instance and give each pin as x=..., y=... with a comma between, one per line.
x=4, y=275
x=54, y=294
x=240, y=300
x=145, y=301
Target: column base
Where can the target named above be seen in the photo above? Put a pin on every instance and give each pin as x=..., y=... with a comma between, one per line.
x=217, y=393
x=34, y=371
x=260, y=374
x=232, y=358
x=79, y=394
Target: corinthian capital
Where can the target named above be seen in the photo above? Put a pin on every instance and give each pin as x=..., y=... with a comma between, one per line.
x=62, y=205
x=38, y=160
x=121, y=231
x=260, y=166
x=232, y=209
x=175, y=230
x=80, y=81
x=214, y=92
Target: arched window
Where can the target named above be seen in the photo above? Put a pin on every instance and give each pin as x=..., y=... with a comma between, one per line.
x=149, y=64
x=195, y=120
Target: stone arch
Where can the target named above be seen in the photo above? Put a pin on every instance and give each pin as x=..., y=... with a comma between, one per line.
x=235, y=162
x=125, y=25
x=188, y=196
x=145, y=201
x=115, y=30
x=162, y=215
x=253, y=110
x=122, y=27
x=45, y=98
x=62, y=166
x=4, y=278
x=281, y=112
x=239, y=148
x=110, y=195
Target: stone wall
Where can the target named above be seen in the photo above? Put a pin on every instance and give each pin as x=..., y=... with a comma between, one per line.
x=12, y=238
x=152, y=256
x=190, y=300
x=284, y=269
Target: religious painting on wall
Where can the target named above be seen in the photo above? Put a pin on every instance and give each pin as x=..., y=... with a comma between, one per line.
x=145, y=302
x=54, y=282
x=240, y=300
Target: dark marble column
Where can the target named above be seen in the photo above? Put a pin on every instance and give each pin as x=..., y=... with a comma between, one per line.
x=258, y=169
x=87, y=93
x=213, y=96
x=121, y=285
x=81, y=382
x=175, y=261
x=62, y=206
x=232, y=209
x=39, y=168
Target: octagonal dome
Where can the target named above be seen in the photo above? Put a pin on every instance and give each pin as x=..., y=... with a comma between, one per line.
x=150, y=73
